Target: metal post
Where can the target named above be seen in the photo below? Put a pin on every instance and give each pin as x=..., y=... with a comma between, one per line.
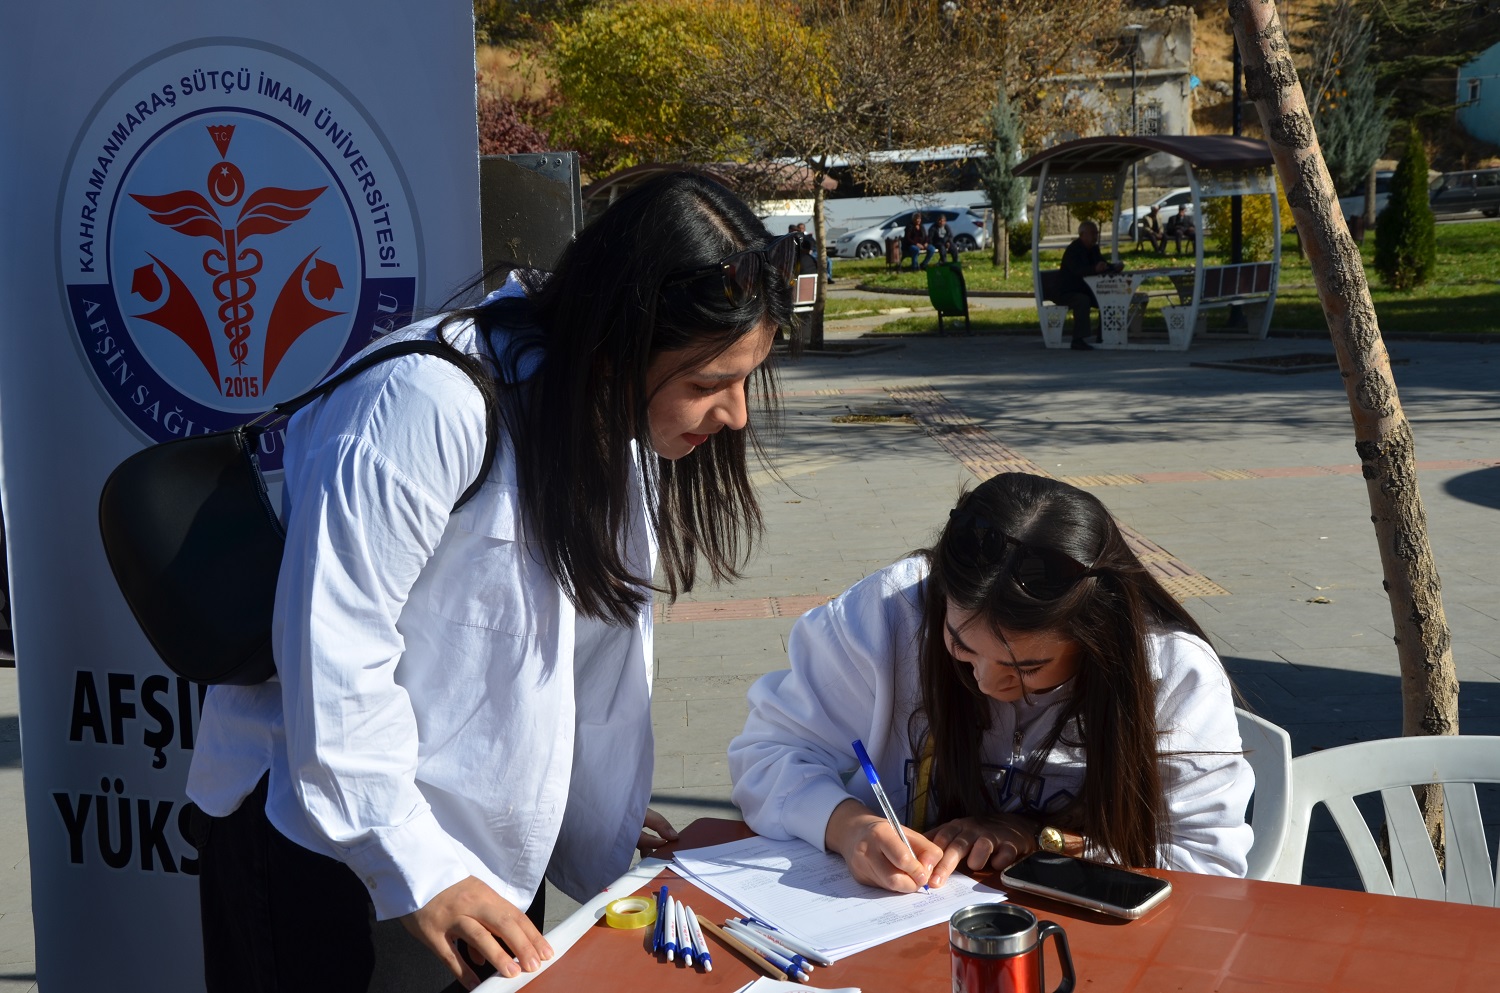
x=1236, y=316
x=1135, y=129
x=1236, y=202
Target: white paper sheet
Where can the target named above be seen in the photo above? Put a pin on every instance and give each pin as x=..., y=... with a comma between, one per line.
x=767, y=985
x=811, y=895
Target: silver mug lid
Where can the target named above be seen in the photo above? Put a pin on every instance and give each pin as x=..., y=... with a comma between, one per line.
x=993, y=929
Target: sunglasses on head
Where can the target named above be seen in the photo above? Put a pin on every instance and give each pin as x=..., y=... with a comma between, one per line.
x=743, y=272
x=1041, y=573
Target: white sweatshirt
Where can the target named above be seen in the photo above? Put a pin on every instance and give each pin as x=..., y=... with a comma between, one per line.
x=854, y=674
x=432, y=719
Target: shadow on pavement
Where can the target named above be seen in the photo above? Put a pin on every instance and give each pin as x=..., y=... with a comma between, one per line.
x=1480, y=487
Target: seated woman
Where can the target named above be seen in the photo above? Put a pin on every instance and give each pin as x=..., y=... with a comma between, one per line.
x=1024, y=684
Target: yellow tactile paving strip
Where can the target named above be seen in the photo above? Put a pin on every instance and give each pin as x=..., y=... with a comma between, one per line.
x=984, y=455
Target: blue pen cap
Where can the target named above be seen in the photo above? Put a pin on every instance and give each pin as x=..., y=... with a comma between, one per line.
x=864, y=760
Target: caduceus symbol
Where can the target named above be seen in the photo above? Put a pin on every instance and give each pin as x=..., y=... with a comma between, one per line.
x=232, y=265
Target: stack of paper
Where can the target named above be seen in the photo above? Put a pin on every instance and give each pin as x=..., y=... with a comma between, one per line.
x=811, y=895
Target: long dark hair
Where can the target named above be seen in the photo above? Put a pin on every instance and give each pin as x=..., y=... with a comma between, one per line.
x=1109, y=613
x=591, y=329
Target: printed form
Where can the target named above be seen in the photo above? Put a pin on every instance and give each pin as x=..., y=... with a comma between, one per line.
x=811, y=895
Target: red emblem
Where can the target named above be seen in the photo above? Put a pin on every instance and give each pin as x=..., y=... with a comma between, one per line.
x=234, y=267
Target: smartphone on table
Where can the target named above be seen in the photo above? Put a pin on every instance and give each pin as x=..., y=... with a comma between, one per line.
x=1105, y=888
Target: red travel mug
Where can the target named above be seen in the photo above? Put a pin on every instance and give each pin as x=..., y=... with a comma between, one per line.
x=997, y=948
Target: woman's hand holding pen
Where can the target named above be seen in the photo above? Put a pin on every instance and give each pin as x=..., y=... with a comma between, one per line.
x=992, y=842
x=874, y=852
x=656, y=833
x=471, y=912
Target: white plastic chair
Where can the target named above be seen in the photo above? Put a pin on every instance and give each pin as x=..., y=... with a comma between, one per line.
x=1391, y=766
x=1268, y=749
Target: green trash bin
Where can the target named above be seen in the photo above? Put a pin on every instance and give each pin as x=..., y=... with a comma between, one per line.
x=948, y=293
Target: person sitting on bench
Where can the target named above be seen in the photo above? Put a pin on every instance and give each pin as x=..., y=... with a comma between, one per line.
x=1082, y=258
x=1179, y=226
x=940, y=235
x=1149, y=230
x=915, y=240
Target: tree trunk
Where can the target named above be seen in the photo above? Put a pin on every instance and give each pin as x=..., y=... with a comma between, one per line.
x=1370, y=200
x=1383, y=437
x=997, y=224
x=1004, y=240
x=820, y=232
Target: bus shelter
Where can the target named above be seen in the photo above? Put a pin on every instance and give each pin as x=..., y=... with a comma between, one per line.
x=1094, y=169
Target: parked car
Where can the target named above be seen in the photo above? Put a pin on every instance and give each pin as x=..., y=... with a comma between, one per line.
x=1474, y=189
x=869, y=243
x=1352, y=203
x=1168, y=204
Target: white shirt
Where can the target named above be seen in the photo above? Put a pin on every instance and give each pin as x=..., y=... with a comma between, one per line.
x=855, y=675
x=432, y=720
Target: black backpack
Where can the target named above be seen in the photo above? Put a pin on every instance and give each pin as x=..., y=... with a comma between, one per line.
x=196, y=546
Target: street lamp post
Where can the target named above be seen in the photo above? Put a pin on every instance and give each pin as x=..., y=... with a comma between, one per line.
x=1135, y=129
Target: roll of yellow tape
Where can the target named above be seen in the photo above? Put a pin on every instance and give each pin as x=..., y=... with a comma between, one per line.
x=630, y=912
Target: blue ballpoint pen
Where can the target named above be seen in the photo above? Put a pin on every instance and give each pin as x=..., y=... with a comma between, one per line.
x=885, y=803
x=659, y=940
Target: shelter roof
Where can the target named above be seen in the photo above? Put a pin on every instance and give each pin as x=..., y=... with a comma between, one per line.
x=1112, y=153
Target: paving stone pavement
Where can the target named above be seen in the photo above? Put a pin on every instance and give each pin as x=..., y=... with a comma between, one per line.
x=1241, y=479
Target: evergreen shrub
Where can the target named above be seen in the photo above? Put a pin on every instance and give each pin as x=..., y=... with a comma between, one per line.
x=1405, y=234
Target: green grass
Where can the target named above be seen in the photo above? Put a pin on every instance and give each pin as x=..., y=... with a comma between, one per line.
x=839, y=308
x=1462, y=297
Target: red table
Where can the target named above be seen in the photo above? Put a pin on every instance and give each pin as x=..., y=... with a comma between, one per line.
x=1212, y=934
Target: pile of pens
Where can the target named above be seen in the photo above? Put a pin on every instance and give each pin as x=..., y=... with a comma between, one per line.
x=679, y=933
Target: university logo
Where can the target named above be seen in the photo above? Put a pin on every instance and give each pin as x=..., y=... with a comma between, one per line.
x=232, y=228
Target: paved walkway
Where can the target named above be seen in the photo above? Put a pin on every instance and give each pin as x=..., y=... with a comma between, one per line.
x=1239, y=486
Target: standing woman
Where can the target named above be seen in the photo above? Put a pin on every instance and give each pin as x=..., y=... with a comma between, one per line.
x=1024, y=684
x=463, y=701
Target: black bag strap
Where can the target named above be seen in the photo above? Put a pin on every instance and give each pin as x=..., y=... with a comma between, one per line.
x=417, y=346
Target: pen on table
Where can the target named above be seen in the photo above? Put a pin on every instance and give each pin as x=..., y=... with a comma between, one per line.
x=685, y=946
x=699, y=943
x=659, y=939
x=671, y=926
x=885, y=802
x=746, y=952
x=785, y=941
x=792, y=965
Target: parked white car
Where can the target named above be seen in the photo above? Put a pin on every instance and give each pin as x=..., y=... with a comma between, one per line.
x=869, y=243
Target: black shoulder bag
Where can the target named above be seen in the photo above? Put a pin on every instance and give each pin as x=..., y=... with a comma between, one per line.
x=196, y=546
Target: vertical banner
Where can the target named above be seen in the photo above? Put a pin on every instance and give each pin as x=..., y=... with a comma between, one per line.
x=209, y=207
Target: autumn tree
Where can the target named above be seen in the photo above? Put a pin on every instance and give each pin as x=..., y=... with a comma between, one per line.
x=624, y=97
x=817, y=80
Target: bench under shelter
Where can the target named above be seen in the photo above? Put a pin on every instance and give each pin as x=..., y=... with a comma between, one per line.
x=1094, y=169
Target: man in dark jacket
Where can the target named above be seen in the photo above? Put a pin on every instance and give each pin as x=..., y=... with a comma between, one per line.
x=1180, y=226
x=1081, y=258
x=941, y=237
